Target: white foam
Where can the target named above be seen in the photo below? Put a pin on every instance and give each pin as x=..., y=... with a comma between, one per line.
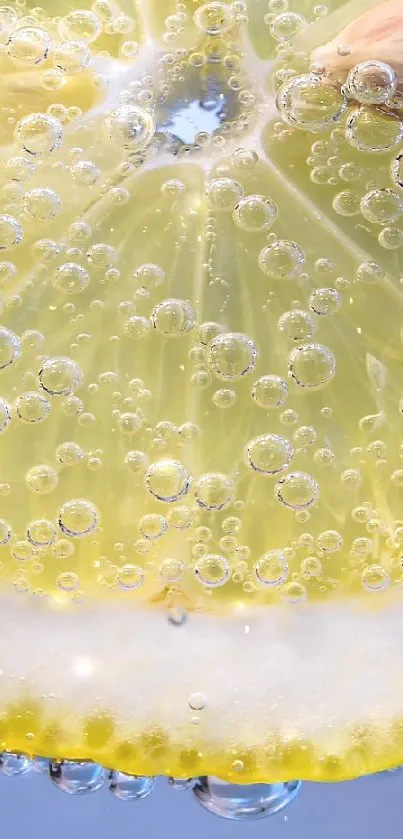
x=309, y=670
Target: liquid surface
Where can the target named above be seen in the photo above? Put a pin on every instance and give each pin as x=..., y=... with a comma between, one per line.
x=200, y=403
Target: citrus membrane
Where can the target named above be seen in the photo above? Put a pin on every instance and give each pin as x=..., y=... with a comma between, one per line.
x=201, y=450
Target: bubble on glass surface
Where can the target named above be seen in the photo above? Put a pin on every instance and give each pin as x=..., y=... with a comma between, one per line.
x=244, y=802
x=130, y=787
x=77, y=777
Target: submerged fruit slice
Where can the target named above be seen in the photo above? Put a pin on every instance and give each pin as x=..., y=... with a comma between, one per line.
x=200, y=403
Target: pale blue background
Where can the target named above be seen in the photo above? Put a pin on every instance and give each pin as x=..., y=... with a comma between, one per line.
x=365, y=809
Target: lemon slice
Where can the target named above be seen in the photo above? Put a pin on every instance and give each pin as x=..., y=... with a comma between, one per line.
x=201, y=474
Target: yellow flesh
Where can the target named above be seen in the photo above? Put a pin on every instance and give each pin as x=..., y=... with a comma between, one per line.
x=88, y=619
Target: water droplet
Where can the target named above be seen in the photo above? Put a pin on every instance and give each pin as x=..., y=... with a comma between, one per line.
x=130, y=787
x=14, y=763
x=77, y=777
x=244, y=802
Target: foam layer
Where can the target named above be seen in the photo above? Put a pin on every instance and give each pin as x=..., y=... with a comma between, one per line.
x=322, y=681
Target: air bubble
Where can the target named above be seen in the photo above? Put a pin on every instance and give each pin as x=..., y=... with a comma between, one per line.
x=149, y=276
x=70, y=278
x=372, y=131
x=312, y=366
x=214, y=18
x=255, y=213
x=223, y=194
x=41, y=532
x=168, y=480
x=60, y=376
x=381, y=206
x=375, y=578
x=11, y=232
x=325, y=301
x=212, y=570
x=268, y=454
x=282, y=261
x=270, y=392
x=39, y=134
x=306, y=103
x=28, y=46
x=78, y=518
x=5, y=414
x=32, y=406
x=131, y=576
x=80, y=24
x=213, y=491
x=5, y=532
x=285, y=26
x=173, y=318
x=10, y=347
x=371, y=82
x=297, y=490
x=72, y=57
x=231, y=355
x=297, y=325
x=272, y=569
x=130, y=127
x=42, y=479
x=41, y=204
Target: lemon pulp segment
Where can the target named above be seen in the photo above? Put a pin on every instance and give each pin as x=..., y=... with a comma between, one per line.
x=201, y=456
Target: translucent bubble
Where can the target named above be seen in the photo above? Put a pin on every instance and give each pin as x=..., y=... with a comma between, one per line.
x=168, y=480
x=5, y=414
x=297, y=325
x=69, y=453
x=5, y=532
x=29, y=46
x=255, y=213
x=80, y=24
x=72, y=57
x=182, y=784
x=137, y=327
x=297, y=490
x=306, y=103
x=312, y=365
x=373, y=131
x=173, y=318
x=32, y=406
x=224, y=398
x=325, y=301
x=212, y=570
x=311, y=566
x=149, y=276
x=153, y=526
x=39, y=134
x=397, y=170
x=270, y=392
x=130, y=787
x=330, y=541
x=41, y=204
x=22, y=550
x=209, y=330
x=223, y=194
x=60, y=376
x=375, y=578
x=130, y=127
x=41, y=532
x=213, y=491
x=370, y=273
x=283, y=260
x=10, y=347
x=272, y=569
x=77, y=777
x=70, y=278
x=11, y=232
x=391, y=238
x=243, y=802
x=286, y=25
x=85, y=173
x=78, y=518
x=381, y=206
x=346, y=203
x=19, y=168
x=197, y=701
x=131, y=576
x=244, y=159
x=42, y=479
x=8, y=21
x=268, y=454
x=231, y=355
x=171, y=570
x=294, y=593
x=214, y=18
x=371, y=82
